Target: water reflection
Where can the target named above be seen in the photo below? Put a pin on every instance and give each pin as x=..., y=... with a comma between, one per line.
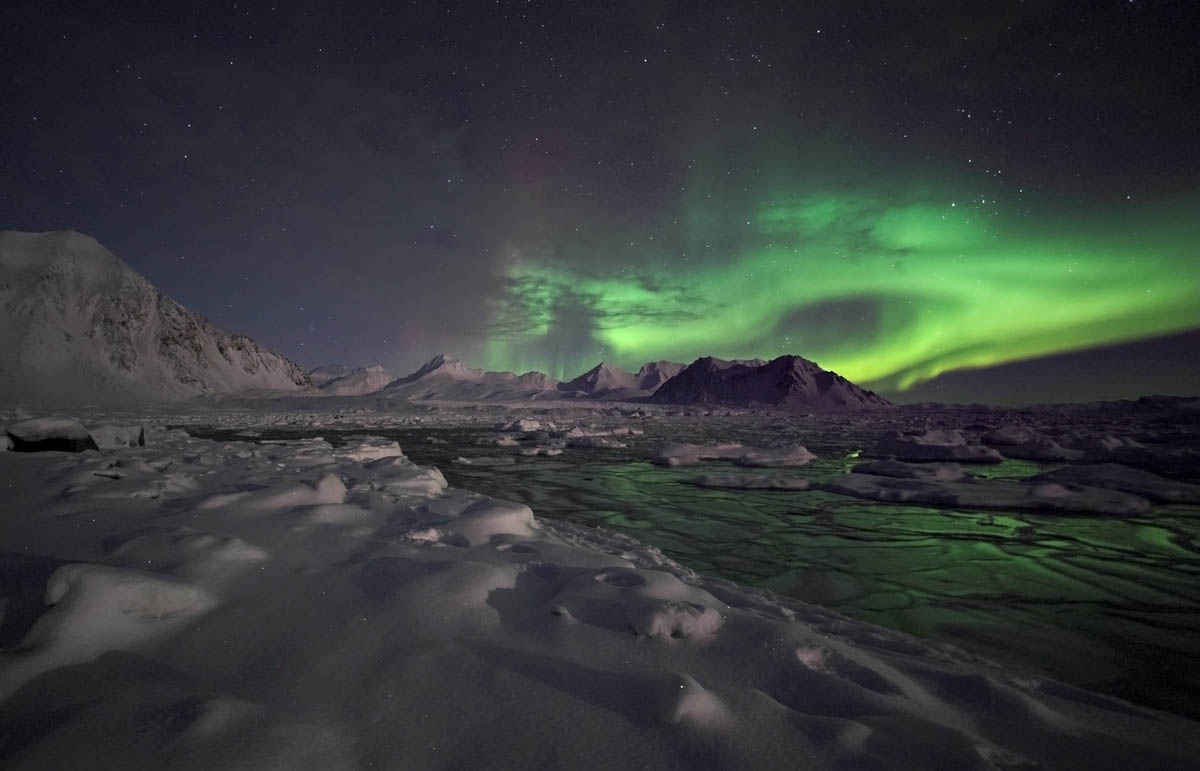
x=1113, y=605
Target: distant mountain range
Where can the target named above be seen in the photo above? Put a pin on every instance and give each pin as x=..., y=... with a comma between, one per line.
x=788, y=383
x=330, y=372
x=605, y=381
x=446, y=378
x=79, y=326
x=340, y=380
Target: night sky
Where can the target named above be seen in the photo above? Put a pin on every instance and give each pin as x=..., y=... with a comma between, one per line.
x=894, y=190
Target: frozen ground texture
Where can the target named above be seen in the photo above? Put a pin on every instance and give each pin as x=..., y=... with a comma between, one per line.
x=291, y=604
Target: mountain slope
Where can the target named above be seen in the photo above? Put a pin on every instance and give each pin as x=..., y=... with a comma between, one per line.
x=446, y=378
x=600, y=379
x=78, y=325
x=329, y=372
x=354, y=381
x=654, y=373
x=788, y=382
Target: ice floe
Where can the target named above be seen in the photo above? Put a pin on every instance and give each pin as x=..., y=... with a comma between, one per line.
x=51, y=433
x=934, y=445
x=750, y=481
x=1042, y=496
x=742, y=455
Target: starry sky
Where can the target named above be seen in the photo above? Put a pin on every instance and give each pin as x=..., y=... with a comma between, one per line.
x=939, y=200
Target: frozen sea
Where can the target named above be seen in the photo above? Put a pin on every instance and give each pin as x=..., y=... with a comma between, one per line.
x=1112, y=605
x=239, y=593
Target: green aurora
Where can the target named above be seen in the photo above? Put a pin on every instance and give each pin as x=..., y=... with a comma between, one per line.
x=887, y=294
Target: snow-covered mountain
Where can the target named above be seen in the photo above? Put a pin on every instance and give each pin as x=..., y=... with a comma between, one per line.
x=445, y=377
x=600, y=379
x=324, y=374
x=654, y=373
x=605, y=381
x=788, y=382
x=354, y=381
x=78, y=325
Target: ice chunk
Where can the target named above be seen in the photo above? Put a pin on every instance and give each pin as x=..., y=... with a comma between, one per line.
x=598, y=442
x=795, y=455
x=42, y=434
x=1043, y=449
x=1009, y=434
x=111, y=436
x=534, y=451
x=492, y=460
x=1114, y=476
x=692, y=454
x=750, y=482
x=464, y=523
x=945, y=472
x=328, y=489
x=371, y=448
x=504, y=440
x=934, y=445
x=523, y=425
x=989, y=494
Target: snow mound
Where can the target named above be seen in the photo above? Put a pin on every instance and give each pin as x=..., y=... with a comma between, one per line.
x=648, y=603
x=668, y=618
x=186, y=552
x=329, y=488
x=97, y=608
x=403, y=477
x=463, y=523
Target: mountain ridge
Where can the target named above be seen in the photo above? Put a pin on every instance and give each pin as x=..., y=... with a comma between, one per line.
x=79, y=325
x=789, y=382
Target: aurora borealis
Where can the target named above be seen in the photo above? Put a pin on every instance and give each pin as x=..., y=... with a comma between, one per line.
x=899, y=191
x=888, y=295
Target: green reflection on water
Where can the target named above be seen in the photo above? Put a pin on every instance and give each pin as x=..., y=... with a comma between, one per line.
x=1107, y=604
